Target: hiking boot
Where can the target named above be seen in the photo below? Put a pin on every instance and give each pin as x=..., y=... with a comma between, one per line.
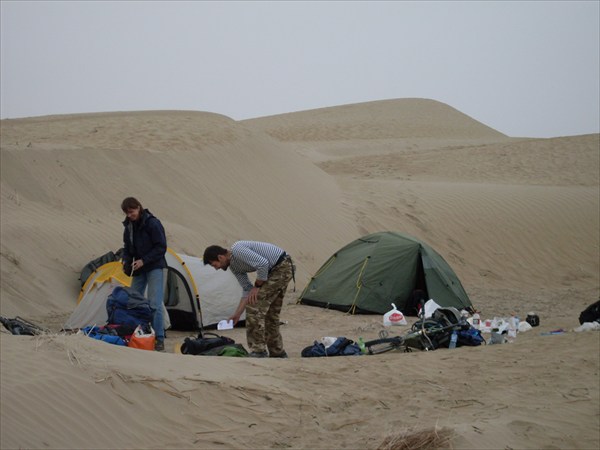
x=258, y=355
x=159, y=345
x=282, y=355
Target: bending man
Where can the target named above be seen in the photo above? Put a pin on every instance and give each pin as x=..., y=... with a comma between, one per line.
x=263, y=300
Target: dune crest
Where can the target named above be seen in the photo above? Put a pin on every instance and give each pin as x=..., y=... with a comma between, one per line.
x=385, y=119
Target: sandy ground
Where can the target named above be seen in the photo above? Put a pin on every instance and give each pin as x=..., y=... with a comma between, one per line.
x=518, y=219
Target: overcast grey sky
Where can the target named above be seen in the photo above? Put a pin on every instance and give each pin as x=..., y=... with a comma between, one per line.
x=527, y=69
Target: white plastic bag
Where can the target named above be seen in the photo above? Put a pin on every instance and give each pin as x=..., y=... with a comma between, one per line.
x=393, y=317
x=430, y=307
x=328, y=341
x=523, y=327
x=587, y=326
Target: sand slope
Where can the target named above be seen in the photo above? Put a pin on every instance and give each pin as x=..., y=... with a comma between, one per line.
x=209, y=179
x=517, y=218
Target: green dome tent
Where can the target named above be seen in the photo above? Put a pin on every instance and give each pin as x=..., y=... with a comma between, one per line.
x=374, y=271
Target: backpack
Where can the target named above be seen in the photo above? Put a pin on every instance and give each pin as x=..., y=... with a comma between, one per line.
x=126, y=306
x=470, y=337
x=93, y=265
x=211, y=344
x=341, y=347
x=590, y=314
x=21, y=326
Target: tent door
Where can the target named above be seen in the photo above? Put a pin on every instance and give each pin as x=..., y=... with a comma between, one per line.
x=179, y=302
x=419, y=294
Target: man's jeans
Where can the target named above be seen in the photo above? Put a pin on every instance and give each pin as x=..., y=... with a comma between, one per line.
x=154, y=280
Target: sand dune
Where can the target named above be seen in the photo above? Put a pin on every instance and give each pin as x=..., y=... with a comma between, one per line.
x=517, y=218
x=67, y=190
x=389, y=119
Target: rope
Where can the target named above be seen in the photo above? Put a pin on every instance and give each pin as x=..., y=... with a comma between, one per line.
x=352, y=309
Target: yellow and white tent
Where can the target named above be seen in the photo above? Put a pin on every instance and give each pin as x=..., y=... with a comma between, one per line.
x=196, y=295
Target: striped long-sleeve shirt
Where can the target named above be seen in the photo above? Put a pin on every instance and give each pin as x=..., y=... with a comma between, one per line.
x=252, y=256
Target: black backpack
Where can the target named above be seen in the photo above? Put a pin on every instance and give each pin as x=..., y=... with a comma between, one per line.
x=590, y=314
x=207, y=344
x=93, y=265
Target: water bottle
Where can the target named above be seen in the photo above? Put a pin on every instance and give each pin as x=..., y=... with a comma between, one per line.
x=361, y=345
x=453, y=340
x=476, y=321
x=512, y=329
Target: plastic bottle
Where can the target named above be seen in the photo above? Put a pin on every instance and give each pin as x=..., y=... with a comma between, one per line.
x=512, y=329
x=476, y=320
x=453, y=340
x=361, y=345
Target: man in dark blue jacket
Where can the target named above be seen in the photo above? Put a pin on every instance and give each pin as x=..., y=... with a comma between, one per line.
x=144, y=248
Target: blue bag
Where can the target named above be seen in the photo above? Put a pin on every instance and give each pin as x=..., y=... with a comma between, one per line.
x=470, y=337
x=341, y=347
x=126, y=306
x=104, y=334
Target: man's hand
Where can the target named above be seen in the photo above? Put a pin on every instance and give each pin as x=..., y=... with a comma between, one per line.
x=253, y=296
x=239, y=311
x=137, y=264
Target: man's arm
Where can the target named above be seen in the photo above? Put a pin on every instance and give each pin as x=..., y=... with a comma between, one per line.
x=244, y=281
x=159, y=241
x=239, y=310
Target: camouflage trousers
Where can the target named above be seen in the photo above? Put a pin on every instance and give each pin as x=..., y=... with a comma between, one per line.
x=262, y=319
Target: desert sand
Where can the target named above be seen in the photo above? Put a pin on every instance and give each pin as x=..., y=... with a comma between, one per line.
x=517, y=218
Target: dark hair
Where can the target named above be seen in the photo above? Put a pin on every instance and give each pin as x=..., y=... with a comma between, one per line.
x=212, y=253
x=130, y=203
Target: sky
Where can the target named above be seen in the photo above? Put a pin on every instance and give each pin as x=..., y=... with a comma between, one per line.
x=524, y=68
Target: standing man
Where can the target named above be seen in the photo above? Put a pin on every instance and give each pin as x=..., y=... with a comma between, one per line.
x=263, y=300
x=145, y=245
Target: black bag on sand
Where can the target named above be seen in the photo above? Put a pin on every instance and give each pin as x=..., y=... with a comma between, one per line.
x=205, y=344
x=21, y=326
x=590, y=314
x=93, y=265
